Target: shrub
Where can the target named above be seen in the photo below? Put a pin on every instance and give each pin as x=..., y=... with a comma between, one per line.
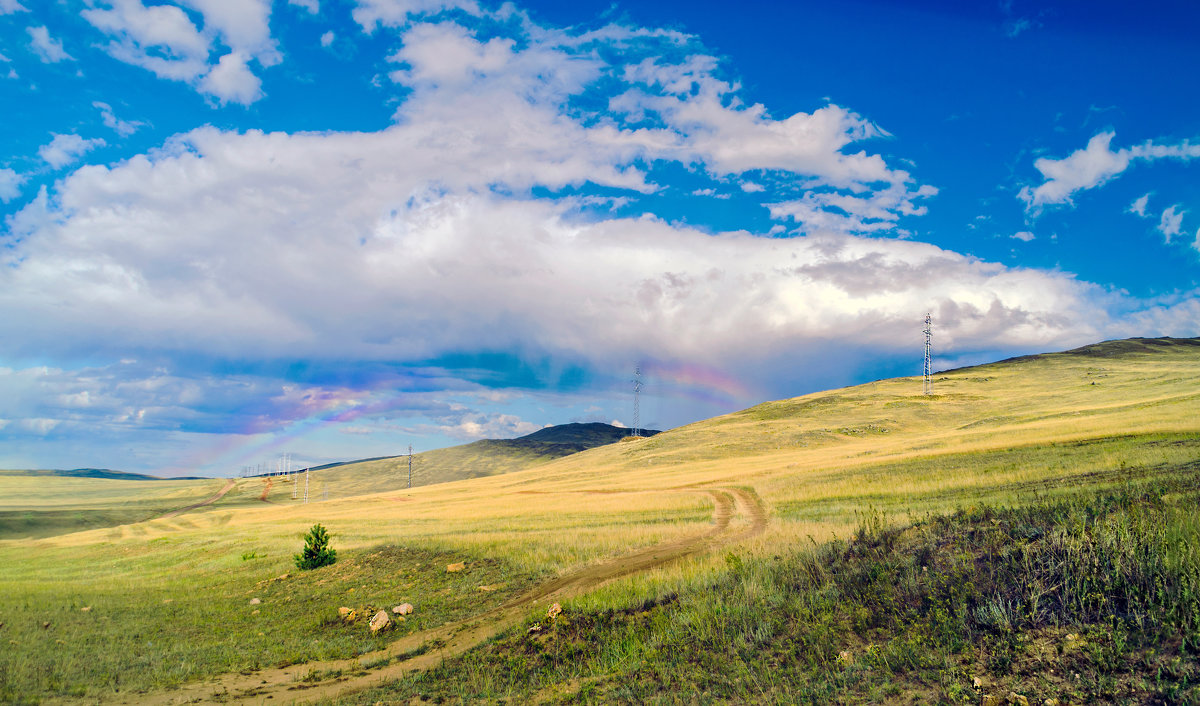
x=317, y=552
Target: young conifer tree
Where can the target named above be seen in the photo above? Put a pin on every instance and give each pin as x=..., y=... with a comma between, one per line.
x=317, y=552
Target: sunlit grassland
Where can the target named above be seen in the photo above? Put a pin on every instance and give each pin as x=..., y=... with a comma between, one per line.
x=38, y=506
x=1024, y=432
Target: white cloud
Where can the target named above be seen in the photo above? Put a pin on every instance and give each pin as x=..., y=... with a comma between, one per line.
x=1138, y=207
x=124, y=128
x=1023, y=236
x=232, y=81
x=49, y=49
x=64, y=149
x=751, y=187
x=10, y=184
x=160, y=38
x=7, y=7
x=838, y=211
x=1171, y=223
x=313, y=6
x=327, y=39
x=1093, y=166
x=164, y=39
x=243, y=25
x=493, y=426
x=395, y=13
x=425, y=239
x=1082, y=169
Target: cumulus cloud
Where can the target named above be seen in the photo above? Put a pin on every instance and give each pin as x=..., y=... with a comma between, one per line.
x=1093, y=166
x=165, y=40
x=327, y=39
x=232, y=81
x=1171, y=222
x=10, y=184
x=159, y=38
x=476, y=224
x=1023, y=236
x=49, y=49
x=7, y=7
x=65, y=149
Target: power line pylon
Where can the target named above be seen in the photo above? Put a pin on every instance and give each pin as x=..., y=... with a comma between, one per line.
x=637, y=401
x=927, y=387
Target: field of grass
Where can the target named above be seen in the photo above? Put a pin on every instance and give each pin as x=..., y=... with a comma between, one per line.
x=39, y=505
x=1075, y=445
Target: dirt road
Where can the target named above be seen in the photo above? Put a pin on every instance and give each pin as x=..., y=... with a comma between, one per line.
x=220, y=494
x=285, y=685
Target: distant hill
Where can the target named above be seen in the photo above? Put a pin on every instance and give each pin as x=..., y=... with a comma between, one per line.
x=486, y=457
x=92, y=473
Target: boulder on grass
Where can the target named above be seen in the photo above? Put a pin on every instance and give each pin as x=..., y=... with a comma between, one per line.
x=380, y=622
x=403, y=609
x=455, y=568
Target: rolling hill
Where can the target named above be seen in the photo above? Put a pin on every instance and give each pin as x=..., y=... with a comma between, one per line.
x=486, y=457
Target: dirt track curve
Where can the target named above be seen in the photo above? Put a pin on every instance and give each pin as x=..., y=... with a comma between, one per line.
x=285, y=685
x=219, y=494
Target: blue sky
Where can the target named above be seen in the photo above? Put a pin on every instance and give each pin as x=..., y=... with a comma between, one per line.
x=238, y=228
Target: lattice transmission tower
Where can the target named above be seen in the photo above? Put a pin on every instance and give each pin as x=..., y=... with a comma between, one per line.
x=927, y=387
x=637, y=401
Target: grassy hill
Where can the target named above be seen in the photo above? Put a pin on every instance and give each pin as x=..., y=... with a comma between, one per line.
x=486, y=457
x=1029, y=529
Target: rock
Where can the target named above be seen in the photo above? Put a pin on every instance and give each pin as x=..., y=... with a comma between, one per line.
x=844, y=658
x=255, y=601
x=536, y=627
x=1016, y=699
x=554, y=611
x=86, y=608
x=347, y=614
x=978, y=683
x=380, y=621
x=254, y=612
x=988, y=700
x=455, y=568
x=1050, y=702
x=403, y=609
x=46, y=625
x=282, y=577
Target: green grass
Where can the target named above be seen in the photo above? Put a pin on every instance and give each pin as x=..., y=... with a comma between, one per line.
x=1087, y=600
x=189, y=615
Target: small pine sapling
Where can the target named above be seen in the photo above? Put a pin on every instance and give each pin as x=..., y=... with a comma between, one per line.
x=317, y=552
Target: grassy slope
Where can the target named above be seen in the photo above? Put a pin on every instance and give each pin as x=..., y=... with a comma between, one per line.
x=487, y=457
x=37, y=505
x=1025, y=432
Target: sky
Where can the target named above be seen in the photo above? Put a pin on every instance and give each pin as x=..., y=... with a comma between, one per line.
x=233, y=229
